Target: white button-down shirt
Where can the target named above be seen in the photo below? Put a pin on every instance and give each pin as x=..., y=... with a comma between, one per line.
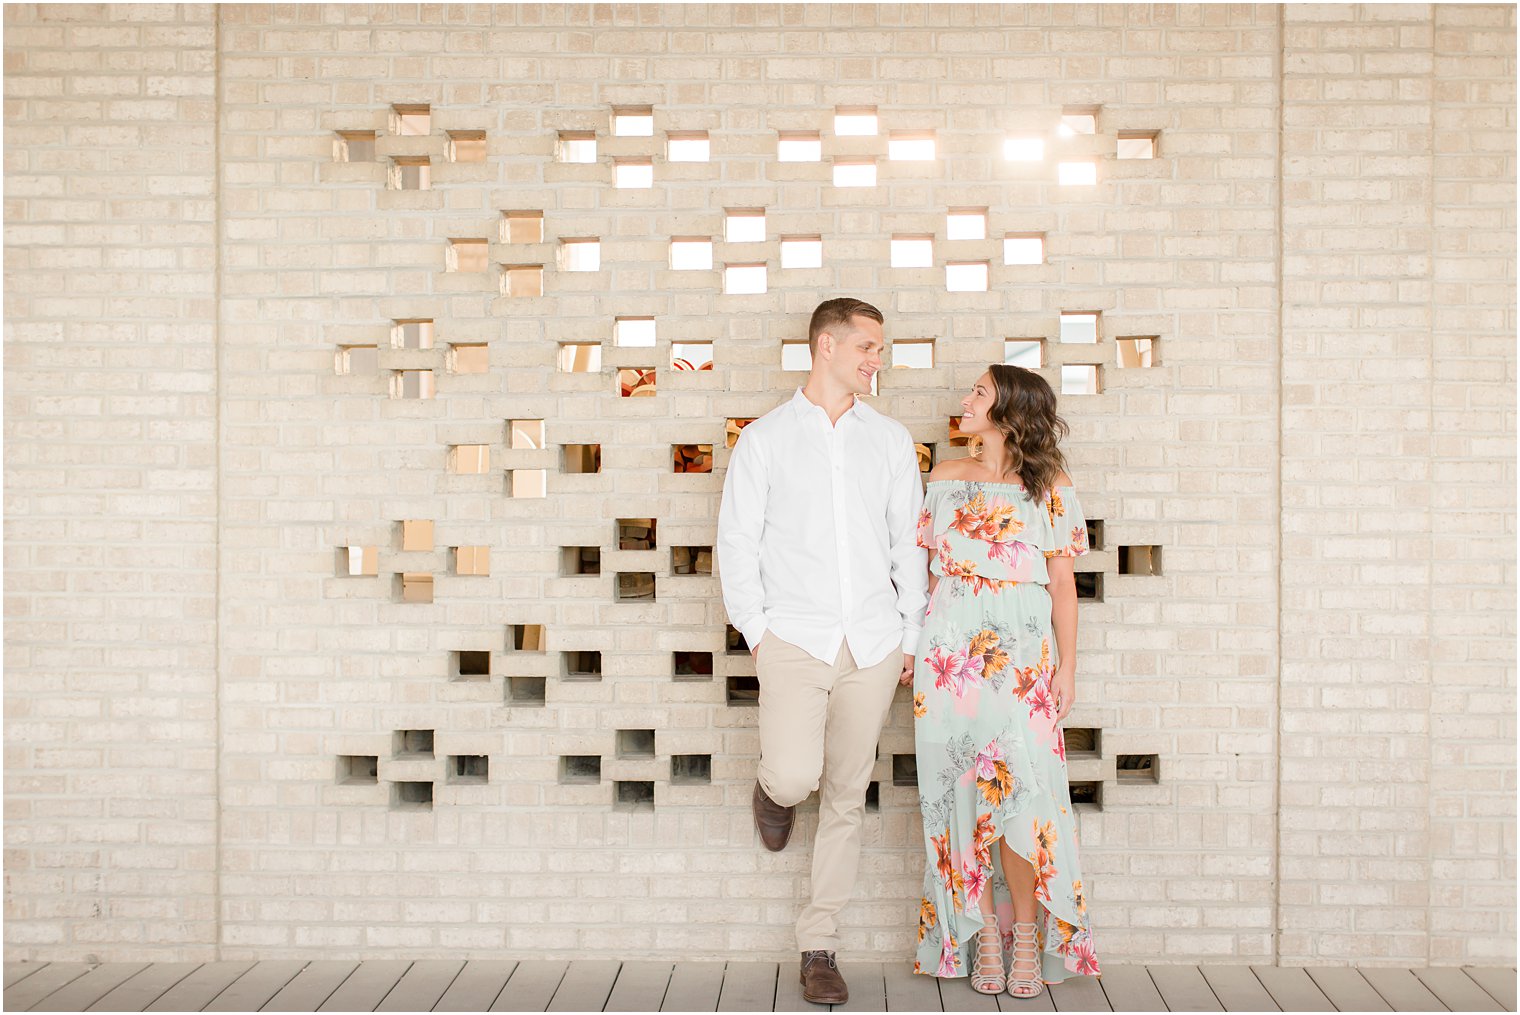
x=816, y=533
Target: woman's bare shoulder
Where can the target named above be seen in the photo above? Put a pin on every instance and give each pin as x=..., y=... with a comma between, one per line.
x=955, y=468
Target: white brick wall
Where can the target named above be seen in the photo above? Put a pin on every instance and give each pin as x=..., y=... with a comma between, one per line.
x=1308, y=454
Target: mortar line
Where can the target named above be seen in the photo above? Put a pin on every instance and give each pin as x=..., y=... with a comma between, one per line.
x=1277, y=479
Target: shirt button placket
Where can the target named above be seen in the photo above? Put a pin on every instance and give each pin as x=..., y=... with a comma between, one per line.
x=841, y=548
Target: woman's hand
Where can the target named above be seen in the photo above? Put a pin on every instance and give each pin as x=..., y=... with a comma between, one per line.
x=1064, y=685
x=906, y=677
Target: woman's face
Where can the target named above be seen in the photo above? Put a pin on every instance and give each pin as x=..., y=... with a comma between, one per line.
x=976, y=405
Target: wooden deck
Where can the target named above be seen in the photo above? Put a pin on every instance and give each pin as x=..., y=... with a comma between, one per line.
x=591, y=985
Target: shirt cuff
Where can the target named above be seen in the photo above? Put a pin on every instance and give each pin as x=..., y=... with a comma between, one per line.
x=910, y=642
x=753, y=631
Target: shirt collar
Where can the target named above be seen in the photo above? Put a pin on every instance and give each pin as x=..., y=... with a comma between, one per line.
x=804, y=407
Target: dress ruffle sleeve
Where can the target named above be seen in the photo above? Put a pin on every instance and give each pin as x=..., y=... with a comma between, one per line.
x=1068, y=526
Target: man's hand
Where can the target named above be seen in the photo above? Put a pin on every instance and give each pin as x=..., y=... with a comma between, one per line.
x=907, y=671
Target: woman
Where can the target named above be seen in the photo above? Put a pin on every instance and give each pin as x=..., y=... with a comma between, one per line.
x=996, y=675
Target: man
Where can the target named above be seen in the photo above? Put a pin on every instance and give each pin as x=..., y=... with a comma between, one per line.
x=822, y=575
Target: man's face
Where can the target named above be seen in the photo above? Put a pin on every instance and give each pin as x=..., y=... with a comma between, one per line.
x=855, y=353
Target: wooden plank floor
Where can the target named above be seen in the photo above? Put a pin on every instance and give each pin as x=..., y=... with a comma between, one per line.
x=609, y=985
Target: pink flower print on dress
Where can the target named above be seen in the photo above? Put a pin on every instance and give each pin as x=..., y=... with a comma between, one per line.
x=987, y=759
x=948, y=960
x=1040, y=702
x=976, y=882
x=1082, y=954
x=953, y=671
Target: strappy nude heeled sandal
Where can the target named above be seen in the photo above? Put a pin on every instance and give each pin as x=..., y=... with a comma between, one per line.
x=1024, y=977
x=989, y=957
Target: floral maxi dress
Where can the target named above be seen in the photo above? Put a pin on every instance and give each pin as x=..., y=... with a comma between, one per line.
x=991, y=759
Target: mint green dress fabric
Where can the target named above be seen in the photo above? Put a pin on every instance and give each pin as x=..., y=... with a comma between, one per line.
x=991, y=759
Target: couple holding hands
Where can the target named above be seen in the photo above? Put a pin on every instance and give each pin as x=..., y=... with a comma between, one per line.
x=821, y=534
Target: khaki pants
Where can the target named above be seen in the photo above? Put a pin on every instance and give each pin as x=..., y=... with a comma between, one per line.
x=819, y=724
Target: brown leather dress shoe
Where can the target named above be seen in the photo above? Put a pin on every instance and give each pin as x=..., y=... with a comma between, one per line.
x=821, y=982
x=772, y=821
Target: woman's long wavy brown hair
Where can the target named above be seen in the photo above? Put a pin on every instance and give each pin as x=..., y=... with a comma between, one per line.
x=1024, y=409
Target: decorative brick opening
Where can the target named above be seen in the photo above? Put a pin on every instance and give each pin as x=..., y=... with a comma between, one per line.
x=913, y=354
x=1081, y=379
x=633, y=586
x=412, y=333
x=633, y=121
x=688, y=665
x=1137, y=144
x=637, y=382
x=1083, y=741
x=966, y=224
x=580, y=459
x=469, y=358
x=1079, y=327
x=691, y=355
x=632, y=173
x=912, y=251
x=926, y=456
x=472, y=561
x=633, y=332
x=580, y=769
x=580, y=560
x=354, y=146
x=1140, y=560
x=582, y=664
x=911, y=146
x=412, y=796
x=412, y=743
x=634, y=796
x=358, y=769
x=359, y=561
x=471, y=664
x=1024, y=248
x=467, y=146
x=635, y=743
x=417, y=534
x=1087, y=795
x=690, y=769
x=1090, y=585
x=799, y=146
x=467, y=255
x=1141, y=768
x=529, y=692
x=802, y=252
x=956, y=439
x=1138, y=351
x=581, y=253
x=527, y=483
x=580, y=357
x=525, y=434
x=744, y=279
x=576, y=146
x=416, y=384
x=743, y=691
x=854, y=172
x=966, y=276
x=796, y=356
x=416, y=587
x=410, y=172
x=636, y=533
x=691, y=253
x=411, y=119
x=1077, y=173
x=687, y=146
x=469, y=459
x=468, y=769
x=522, y=226
x=357, y=359
x=692, y=560
x=744, y=225
x=904, y=770
x=690, y=459
x=1028, y=353
x=1095, y=533
x=732, y=427
x=855, y=121
x=1077, y=120
x=522, y=281
x=525, y=637
x=733, y=641
x=873, y=797
x=1024, y=149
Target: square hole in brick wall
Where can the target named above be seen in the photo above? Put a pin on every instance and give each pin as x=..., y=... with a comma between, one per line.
x=966, y=224
x=691, y=665
x=1090, y=585
x=471, y=664
x=582, y=665
x=359, y=561
x=580, y=769
x=1024, y=149
x=469, y=358
x=580, y=357
x=925, y=453
x=912, y=251
x=580, y=560
x=733, y=641
x=412, y=743
x=873, y=797
x=634, y=796
x=732, y=429
x=632, y=173
x=634, y=586
x=633, y=332
x=691, y=355
x=356, y=359
x=796, y=356
x=1081, y=379
x=522, y=281
x=467, y=146
x=689, y=459
x=525, y=638
x=468, y=769
x=966, y=276
x=413, y=384
x=855, y=121
x=690, y=769
x=1024, y=248
x=527, y=483
x=1077, y=173
x=1028, y=353
x=854, y=172
x=354, y=146
x=911, y=146
x=411, y=119
x=633, y=121
x=1138, y=351
x=913, y=354
x=524, y=226
x=576, y=146
x=742, y=691
x=1080, y=328
x=412, y=333
x=1078, y=120
x=529, y=692
x=744, y=279
x=905, y=770
x=1136, y=144
x=691, y=253
x=637, y=382
x=410, y=173
x=1095, y=533
x=416, y=587
x=696, y=560
x=469, y=459
x=799, y=146
x=1140, y=560
x=802, y=252
x=635, y=743
x=687, y=146
x=412, y=796
x=580, y=459
x=525, y=434
x=1137, y=768
x=744, y=225
x=636, y=533
x=472, y=561
x=358, y=769
x=581, y=253
x=417, y=534
x=1083, y=741
x=1087, y=795
x=956, y=439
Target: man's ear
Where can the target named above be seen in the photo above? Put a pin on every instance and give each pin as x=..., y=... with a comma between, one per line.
x=826, y=342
